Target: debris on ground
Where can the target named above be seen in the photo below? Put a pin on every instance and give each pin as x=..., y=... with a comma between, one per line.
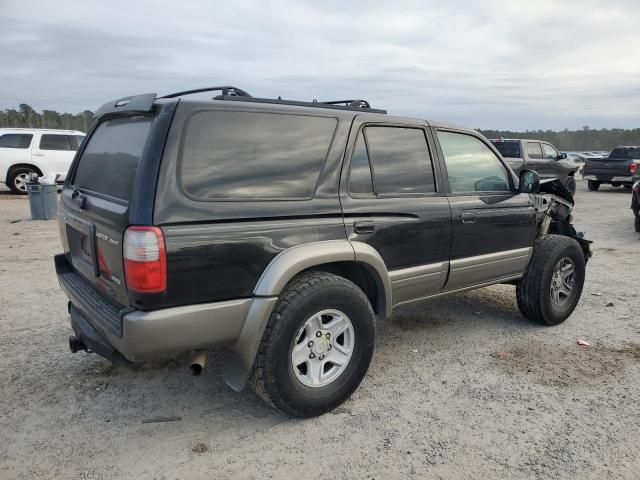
x=161, y=419
x=610, y=304
x=583, y=343
x=200, y=448
x=500, y=355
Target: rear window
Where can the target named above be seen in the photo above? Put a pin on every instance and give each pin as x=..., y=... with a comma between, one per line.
x=630, y=152
x=508, y=148
x=246, y=155
x=15, y=140
x=110, y=159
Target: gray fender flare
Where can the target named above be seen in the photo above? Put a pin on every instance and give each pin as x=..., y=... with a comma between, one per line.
x=286, y=265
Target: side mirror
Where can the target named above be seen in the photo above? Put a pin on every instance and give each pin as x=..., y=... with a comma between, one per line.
x=562, y=156
x=529, y=182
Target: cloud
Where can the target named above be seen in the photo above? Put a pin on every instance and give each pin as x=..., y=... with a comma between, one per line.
x=492, y=64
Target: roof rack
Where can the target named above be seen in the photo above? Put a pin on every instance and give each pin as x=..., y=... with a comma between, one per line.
x=227, y=91
x=360, y=105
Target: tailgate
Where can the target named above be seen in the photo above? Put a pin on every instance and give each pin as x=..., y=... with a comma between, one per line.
x=95, y=202
x=607, y=166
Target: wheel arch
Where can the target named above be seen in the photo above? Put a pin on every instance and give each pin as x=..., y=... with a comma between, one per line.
x=22, y=165
x=356, y=261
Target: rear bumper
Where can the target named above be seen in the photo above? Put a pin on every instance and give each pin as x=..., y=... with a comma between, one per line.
x=139, y=336
x=608, y=178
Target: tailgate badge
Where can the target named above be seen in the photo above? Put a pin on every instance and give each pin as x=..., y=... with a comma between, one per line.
x=104, y=237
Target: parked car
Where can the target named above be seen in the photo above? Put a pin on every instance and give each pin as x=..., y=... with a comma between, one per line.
x=46, y=152
x=540, y=156
x=618, y=168
x=285, y=230
x=635, y=202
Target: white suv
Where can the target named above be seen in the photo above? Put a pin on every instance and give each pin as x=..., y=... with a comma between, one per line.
x=32, y=150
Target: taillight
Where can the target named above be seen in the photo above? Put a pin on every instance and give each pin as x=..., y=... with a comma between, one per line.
x=633, y=167
x=145, y=262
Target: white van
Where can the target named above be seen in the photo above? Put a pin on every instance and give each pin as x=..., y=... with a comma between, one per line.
x=34, y=150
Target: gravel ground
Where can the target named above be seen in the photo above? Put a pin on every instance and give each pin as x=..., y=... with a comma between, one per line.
x=460, y=387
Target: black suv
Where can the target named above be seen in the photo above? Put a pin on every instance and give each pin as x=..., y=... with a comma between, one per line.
x=284, y=230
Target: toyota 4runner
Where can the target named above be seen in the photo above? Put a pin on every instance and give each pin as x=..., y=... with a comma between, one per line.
x=285, y=230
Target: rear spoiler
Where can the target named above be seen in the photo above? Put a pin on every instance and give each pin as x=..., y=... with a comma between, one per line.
x=135, y=103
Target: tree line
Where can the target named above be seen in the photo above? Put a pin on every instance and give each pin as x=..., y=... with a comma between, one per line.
x=26, y=117
x=584, y=139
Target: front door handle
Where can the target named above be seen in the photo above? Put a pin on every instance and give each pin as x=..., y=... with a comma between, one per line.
x=364, y=226
x=468, y=217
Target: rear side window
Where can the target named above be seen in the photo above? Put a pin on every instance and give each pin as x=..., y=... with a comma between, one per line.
x=246, y=155
x=400, y=160
x=508, y=148
x=533, y=150
x=15, y=140
x=360, y=181
x=110, y=159
x=471, y=165
x=56, y=142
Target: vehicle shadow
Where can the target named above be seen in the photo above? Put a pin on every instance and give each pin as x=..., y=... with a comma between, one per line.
x=164, y=389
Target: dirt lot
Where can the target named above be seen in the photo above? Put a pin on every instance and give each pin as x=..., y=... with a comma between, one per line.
x=462, y=387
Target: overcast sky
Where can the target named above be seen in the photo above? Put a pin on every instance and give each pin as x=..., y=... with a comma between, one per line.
x=487, y=64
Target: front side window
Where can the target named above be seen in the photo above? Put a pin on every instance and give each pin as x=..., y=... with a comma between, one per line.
x=15, y=140
x=56, y=142
x=246, y=155
x=400, y=160
x=550, y=153
x=471, y=165
x=533, y=150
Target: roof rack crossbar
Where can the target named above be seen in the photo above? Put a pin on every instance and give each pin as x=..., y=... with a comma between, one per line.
x=227, y=91
x=349, y=103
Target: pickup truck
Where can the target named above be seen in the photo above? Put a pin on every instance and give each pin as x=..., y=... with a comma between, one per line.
x=618, y=168
x=544, y=158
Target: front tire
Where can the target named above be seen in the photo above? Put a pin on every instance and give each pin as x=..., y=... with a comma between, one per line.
x=592, y=185
x=18, y=179
x=551, y=287
x=317, y=345
x=571, y=185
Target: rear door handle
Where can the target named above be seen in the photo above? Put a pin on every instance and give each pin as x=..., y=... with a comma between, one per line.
x=365, y=226
x=468, y=217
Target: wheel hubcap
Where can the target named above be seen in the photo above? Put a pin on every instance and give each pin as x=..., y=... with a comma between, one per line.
x=322, y=348
x=20, y=181
x=562, y=282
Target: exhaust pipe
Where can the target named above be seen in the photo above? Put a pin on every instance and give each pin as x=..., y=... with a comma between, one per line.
x=76, y=345
x=197, y=364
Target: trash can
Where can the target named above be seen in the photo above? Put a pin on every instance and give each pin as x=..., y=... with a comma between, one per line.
x=43, y=201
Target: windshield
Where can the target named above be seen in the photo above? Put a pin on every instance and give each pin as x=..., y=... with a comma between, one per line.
x=508, y=148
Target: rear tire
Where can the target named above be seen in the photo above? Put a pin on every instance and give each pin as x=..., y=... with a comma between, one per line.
x=551, y=287
x=294, y=371
x=636, y=223
x=17, y=180
x=593, y=185
x=615, y=184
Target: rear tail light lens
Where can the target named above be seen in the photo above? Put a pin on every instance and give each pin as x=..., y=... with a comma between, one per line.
x=145, y=260
x=633, y=167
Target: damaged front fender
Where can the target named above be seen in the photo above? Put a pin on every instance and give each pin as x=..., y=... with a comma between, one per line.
x=553, y=204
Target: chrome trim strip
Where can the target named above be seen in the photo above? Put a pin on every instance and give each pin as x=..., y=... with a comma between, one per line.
x=490, y=257
x=407, y=273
